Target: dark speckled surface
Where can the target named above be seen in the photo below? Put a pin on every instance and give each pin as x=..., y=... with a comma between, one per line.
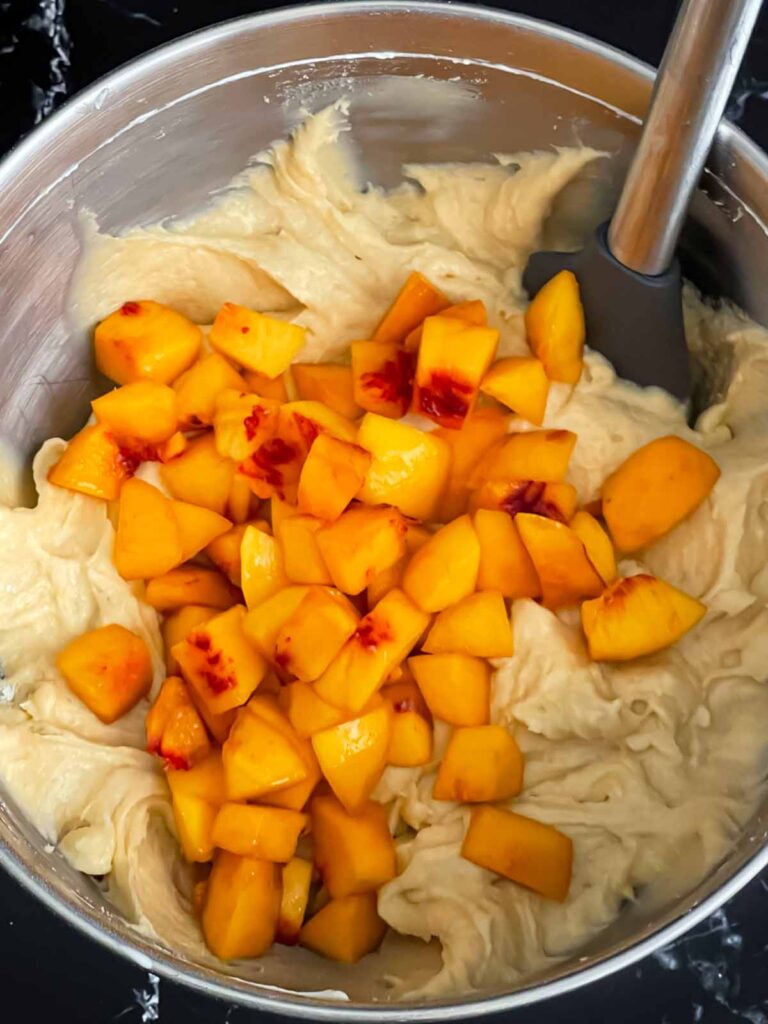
x=719, y=972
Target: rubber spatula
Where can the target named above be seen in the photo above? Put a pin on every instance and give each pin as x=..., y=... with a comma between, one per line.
x=627, y=272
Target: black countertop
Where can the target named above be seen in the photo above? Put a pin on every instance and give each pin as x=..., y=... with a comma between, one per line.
x=718, y=972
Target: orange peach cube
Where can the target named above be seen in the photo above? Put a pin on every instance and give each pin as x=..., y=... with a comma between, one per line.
x=417, y=299
x=415, y=538
x=218, y=661
x=472, y=312
x=409, y=469
x=453, y=358
x=383, y=638
x=637, y=615
x=328, y=383
x=657, y=487
x=225, y=550
x=190, y=584
x=331, y=477
x=295, y=796
x=269, y=833
x=597, y=544
x=353, y=853
x=175, y=627
x=478, y=626
x=262, y=567
x=456, y=687
x=201, y=476
x=108, y=668
x=145, y=340
x=482, y=763
x=303, y=560
x=541, y=455
x=521, y=384
x=314, y=634
x=264, y=622
x=556, y=501
x=148, y=540
x=554, y=323
x=346, y=929
x=91, y=464
x=526, y=851
x=197, y=390
x=353, y=754
x=444, y=570
x=382, y=374
x=242, y=423
x=254, y=340
x=481, y=430
x=307, y=420
x=197, y=527
x=143, y=412
x=197, y=794
x=258, y=757
x=410, y=741
x=564, y=570
x=307, y=712
x=297, y=879
x=361, y=543
x=505, y=564
x=242, y=902
x=175, y=730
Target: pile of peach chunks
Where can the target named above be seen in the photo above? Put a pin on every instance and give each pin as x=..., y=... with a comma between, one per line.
x=332, y=578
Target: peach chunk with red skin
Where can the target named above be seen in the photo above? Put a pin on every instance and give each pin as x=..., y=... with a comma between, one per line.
x=175, y=730
x=144, y=340
x=555, y=501
x=564, y=569
x=92, y=464
x=383, y=377
x=637, y=615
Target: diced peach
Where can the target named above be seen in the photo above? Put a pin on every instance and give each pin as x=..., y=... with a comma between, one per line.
x=190, y=584
x=532, y=455
x=269, y=833
x=258, y=758
x=314, y=634
x=445, y=569
x=310, y=419
x=91, y=464
x=175, y=730
x=655, y=489
x=197, y=527
x=417, y=299
x=145, y=340
x=242, y=423
x=410, y=467
x=410, y=741
x=597, y=544
x=148, y=540
x=346, y=929
x=404, y=694
x=564, y=570
x=264, y=622
x=241, y=906
x=331, y=476
x=295, y=796
x=353, y=853
x=555, y=501
x=262, y=568
x=197, y=794
x=297, y=879
x=254, y=340
x=637, y=615
x=109, y=669
x=453, y=358
x=204, y=780
x=303, y=560
x=143, y=412
x=382, y=374
x=217, y=660
x=482, y=763
x=478, y=625
x=352, y=755
x=381, y=641
x=197, y=390
x=177, y=625
x=554, y=323
x=328, y=383
x=275, y=388
x=526, y=851
x=218, y=723
x=201, y=476
x=472, y=312
x=416, y=537
x=456, y=687
x=479, y=433
x=224, y=550
x=361, y=543
x=307, y=712
x=521, y=384
x=505, y=564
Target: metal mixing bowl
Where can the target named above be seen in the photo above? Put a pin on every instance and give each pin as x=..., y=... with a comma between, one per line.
x=428, y=82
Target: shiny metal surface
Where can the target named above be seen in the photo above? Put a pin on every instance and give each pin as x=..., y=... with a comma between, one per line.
x=156, y=137
x=694, y=82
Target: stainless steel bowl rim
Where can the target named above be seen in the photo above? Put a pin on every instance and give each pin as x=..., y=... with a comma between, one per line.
x=295, y=1004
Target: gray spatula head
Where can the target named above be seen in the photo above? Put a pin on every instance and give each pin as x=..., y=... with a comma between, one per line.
x=634, y=320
